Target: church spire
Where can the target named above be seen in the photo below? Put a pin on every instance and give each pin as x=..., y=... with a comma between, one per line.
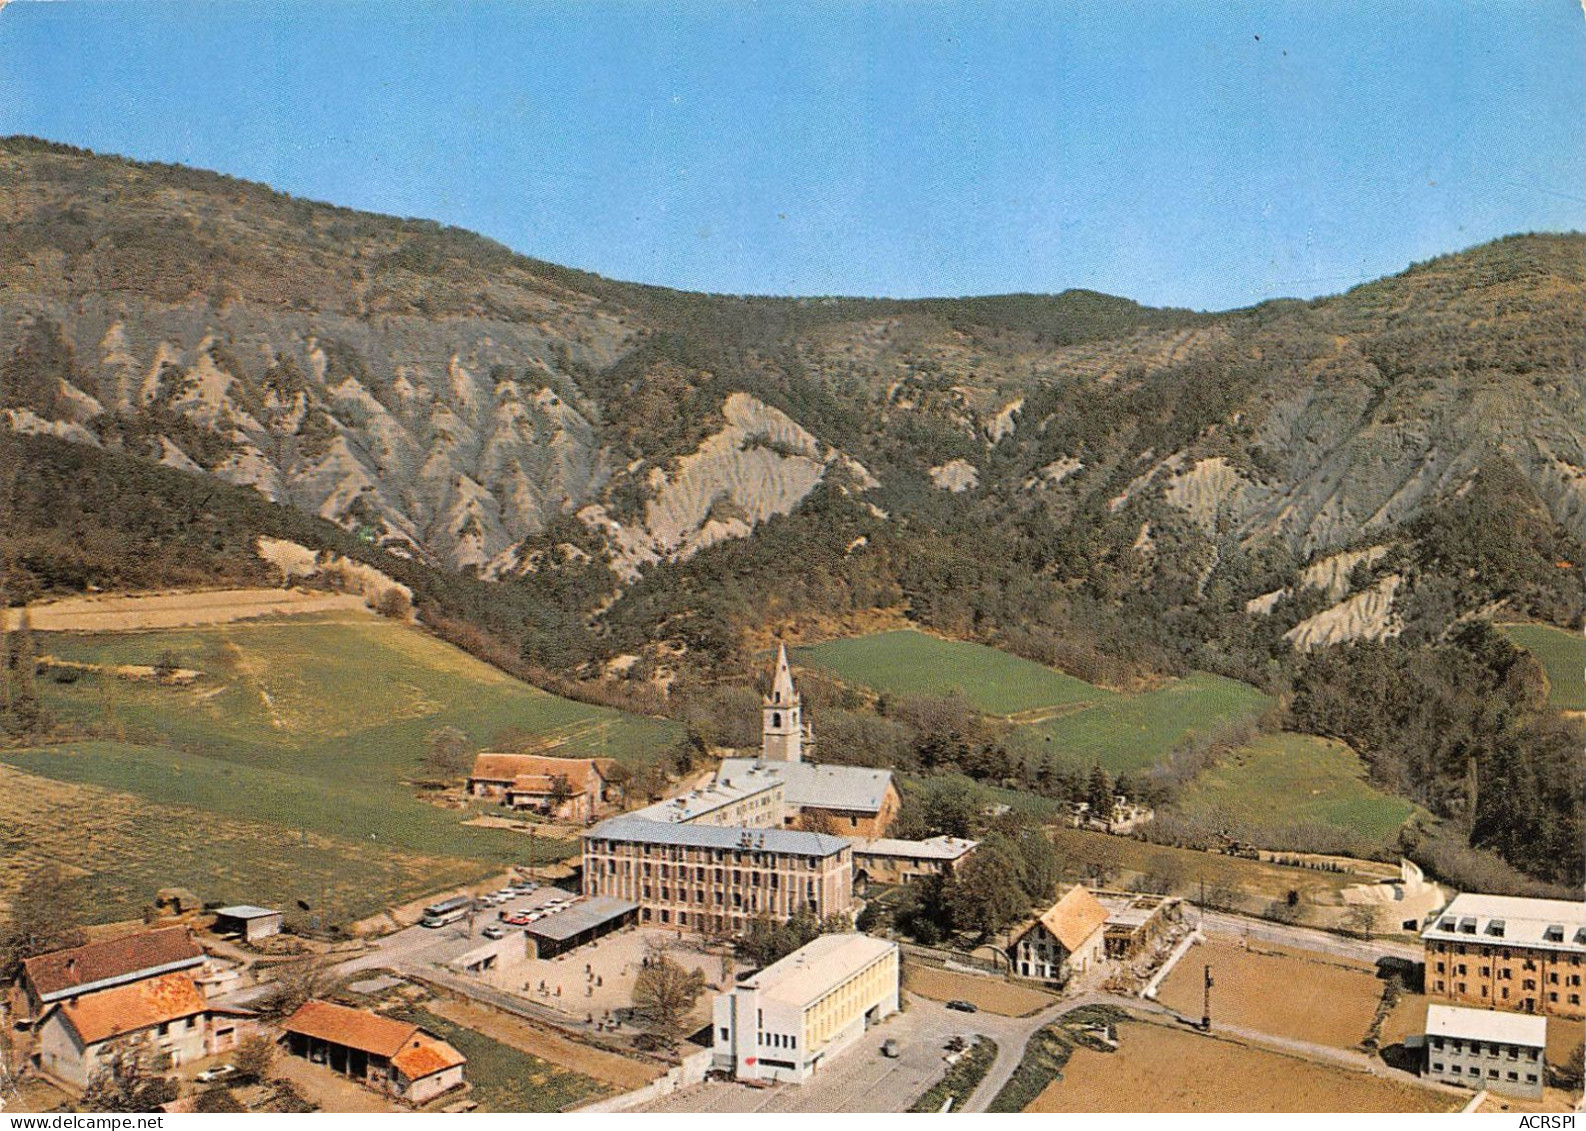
x=783, y=734
x=782, y=684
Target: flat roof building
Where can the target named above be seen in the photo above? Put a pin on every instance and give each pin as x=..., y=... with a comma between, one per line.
x=785, y=1022
x=590, y=918
x=710, y=878
x=1508, y=952
x=1484, y=1048
x=248, y=922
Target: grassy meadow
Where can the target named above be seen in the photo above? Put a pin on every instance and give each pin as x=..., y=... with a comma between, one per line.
x=312, y=727
x=911, y=663
x=1050, y=711
x=1562, y=654
x=1289, y=780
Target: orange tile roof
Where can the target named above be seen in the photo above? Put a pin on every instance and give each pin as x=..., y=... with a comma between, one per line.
x=534, y=783
x=1074, y=918
x=55, y=974
x=125, y=1009
x=425, y=1056
x=354, y=1028
x=583, y=774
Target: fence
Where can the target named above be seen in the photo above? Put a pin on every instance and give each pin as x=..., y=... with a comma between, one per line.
x=690, y=1072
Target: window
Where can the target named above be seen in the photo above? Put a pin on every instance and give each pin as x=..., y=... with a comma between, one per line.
x=1437, y=1065
x=1492, y=1073
x=1530, y=1077
x=724, y=1034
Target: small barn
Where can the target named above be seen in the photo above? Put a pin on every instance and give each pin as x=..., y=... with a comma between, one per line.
x=248, y=923
x=389, y=1055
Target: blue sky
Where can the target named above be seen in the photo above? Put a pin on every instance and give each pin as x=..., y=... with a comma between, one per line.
x=1197, y=154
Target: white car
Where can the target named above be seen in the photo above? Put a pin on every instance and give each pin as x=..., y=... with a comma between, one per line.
x=218, y=1072
x=494, y=932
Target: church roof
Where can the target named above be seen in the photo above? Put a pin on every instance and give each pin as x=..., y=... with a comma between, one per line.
x=856, y=789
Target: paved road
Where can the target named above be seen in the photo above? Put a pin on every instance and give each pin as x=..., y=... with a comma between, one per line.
x=1308, y=938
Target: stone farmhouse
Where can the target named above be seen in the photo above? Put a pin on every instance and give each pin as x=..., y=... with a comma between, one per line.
x=1067, y=939
x=576, y=790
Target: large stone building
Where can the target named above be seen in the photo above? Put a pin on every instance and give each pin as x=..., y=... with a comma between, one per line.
x=784, y=1022
x=1069, y=938
x=1505, y=952
x=1483, y=1048
x=709, y=878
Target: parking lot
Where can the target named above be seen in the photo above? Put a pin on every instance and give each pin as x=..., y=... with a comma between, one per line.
x=858, y=1080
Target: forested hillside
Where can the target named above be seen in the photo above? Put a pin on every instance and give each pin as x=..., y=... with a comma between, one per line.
x=633, y=487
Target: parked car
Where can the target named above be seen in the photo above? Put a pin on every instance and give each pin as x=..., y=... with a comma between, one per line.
x=218, y=1072
x=889, y=1048
x=964, y=1006
x=520, y=919
x=494, y=932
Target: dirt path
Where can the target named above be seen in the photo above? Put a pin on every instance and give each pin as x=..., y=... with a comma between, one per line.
x=607, y=1067
x=135, y=613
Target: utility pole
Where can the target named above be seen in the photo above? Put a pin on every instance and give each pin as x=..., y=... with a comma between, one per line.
x=531, y=851
x=1201, y=906
x=1206, y=1000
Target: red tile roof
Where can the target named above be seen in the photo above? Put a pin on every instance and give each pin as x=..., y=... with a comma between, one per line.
x=583, y=774
x=355, y=1028
x=55, y=974
x=131, y=1008
x=425, y=1056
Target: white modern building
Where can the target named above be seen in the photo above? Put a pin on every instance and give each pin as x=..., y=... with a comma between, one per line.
x=1485, y=1048
x=784, y=1022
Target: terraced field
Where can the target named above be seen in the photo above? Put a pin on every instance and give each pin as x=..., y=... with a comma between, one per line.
x=306, y=730
x=1562, y=655
x=1050, y=711
x=911, y=663
x=1291, y=780
x=119, y=849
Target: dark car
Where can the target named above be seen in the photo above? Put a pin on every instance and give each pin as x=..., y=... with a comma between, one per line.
x=964, y=1006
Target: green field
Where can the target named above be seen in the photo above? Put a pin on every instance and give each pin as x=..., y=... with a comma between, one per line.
x=1562, y=655
x=1052, y=712
x=1130, y=732
x=312, y=726
x=911, y=663
x=1291, y=780
x=118, y=849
